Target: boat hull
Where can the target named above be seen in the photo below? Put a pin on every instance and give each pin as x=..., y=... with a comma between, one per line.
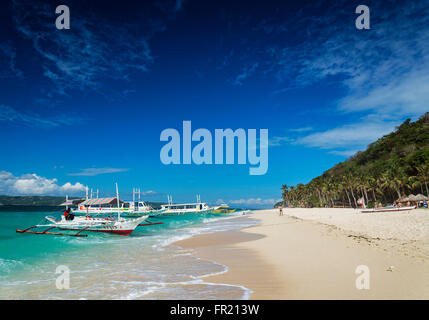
x=123, y=212
x=179, y=213
x=122, y=227
x=393, y=209
x=117, y=232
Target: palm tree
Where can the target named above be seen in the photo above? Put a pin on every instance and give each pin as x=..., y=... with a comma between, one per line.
x=345, y=186
x=292, y=194
x=423, y=175
x=317, y=186
x=373, y=186
x=285, y=194
x=393, y=179
x=350, y=182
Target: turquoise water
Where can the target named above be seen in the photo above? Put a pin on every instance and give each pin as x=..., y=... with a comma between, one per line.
x=104, y=266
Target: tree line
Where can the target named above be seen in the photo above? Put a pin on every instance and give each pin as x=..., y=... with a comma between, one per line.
x=394, y=166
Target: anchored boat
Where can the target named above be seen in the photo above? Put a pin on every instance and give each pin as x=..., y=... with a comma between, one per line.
x=113, y=206
x=224, y=208
x=118, y=226
x=185, y=208
x=388, y=209
x=115, y=225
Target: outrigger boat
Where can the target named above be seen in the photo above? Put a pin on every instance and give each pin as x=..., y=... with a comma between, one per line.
x=119, y=226
x=115, y=225
x=110, y=206
x=224, y=208
x=388, y=209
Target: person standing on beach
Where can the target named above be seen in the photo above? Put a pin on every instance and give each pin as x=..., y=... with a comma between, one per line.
x=281, y=210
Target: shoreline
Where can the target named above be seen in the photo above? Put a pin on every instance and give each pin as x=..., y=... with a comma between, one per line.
x=314, y=253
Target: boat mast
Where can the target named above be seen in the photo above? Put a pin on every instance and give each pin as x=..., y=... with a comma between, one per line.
x=117, y=200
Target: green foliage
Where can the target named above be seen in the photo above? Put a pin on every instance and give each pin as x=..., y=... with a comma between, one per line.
x=31, y=201
x=278, y=204
x=43, y=201
x=394, y=165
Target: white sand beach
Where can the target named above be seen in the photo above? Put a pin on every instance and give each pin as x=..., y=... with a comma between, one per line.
x=314, y=253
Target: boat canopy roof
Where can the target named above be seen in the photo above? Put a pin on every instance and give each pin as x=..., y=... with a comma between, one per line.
x=184, y=204
x=99, y=201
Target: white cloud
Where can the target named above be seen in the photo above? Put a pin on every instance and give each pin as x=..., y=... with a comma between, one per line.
x=278, y=141
x=90, y=172
x=88, y=55
x=407, y=96
x=220, y=201
x=254, y=201
x=347, y=139
x=384, y=72
x=8, y=67
x=9, y=114
x=245, y=73
x=32, y=184
x=250, y=202
x=304, y=129
x=357, y=135
x=344, y=153
x=149, y=193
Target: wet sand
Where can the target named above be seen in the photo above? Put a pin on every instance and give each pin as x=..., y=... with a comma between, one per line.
x=314, y=253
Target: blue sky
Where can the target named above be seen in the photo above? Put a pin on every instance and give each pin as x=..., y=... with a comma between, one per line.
x=86, y=106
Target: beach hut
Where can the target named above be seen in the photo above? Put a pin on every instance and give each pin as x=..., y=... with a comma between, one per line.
x=412, y=198
x=402, y=199
x=421, y=197
x=420, y=200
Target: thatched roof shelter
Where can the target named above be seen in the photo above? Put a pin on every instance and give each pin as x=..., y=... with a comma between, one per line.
x=405, y=199
x=413, y=198
x=421, y=197
x=402, y=199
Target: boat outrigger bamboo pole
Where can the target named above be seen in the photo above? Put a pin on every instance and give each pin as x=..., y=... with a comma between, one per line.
x=117, y=200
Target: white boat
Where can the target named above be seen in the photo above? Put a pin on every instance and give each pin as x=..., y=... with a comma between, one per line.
x=116, y=225
x=111, y=206
x=388, y=209
x=185, y=208
x=111, y=224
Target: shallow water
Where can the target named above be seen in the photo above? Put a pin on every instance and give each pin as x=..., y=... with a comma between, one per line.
x=104, y=266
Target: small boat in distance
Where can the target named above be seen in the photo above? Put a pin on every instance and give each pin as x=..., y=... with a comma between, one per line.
x=388, y=209
x=223, y=208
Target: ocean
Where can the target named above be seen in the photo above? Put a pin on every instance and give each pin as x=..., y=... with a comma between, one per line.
x=143, y=265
